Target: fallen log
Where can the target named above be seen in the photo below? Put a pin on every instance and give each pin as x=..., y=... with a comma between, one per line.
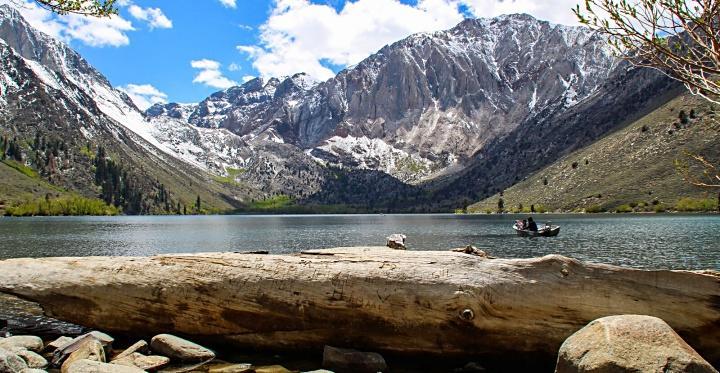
x=410, y=302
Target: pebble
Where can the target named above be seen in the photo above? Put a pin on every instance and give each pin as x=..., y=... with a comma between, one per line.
x=180, y=349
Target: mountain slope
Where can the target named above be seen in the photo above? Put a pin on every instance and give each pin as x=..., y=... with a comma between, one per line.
x=63, y=114
x=632, y=166
x=420, y=107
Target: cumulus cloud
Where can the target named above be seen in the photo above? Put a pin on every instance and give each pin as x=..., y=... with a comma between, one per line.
x=210, y=74
x=234, y=67
x=299, y=35
x=153, y=16
x=247, y=78
x=144, y=95
x=228, y=3
x=92, y=31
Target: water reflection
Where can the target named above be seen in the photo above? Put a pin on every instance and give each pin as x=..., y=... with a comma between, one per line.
x=656, y=241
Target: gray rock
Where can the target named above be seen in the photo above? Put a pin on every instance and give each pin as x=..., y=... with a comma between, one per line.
x=31, y=370
x=11, y=363
x=90, y=349
x=91, y=366
x=27, y=342
x=180, y=349
x=149, y=363
x=628, y=343
x=139, y=346
x=341, y=359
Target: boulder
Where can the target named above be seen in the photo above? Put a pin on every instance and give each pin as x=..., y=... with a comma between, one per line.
x=140, y=346
x=91, y=366
x=27, y=342
x=346, y=360
x=180, y=349
x=11, y=363
x=628, y=343
x=149, y=363
x=90, y=349
x=231, y=368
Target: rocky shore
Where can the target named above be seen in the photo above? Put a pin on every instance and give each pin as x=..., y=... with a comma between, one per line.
x=393, y=304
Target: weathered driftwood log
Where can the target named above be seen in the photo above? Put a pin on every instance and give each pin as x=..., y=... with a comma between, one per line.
x=367, y=298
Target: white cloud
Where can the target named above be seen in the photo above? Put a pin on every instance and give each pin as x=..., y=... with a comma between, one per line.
x=298, y=34
x=210, y=74
x=92, y=31
x=247, y=78
x=228, y=3
x=153, y=16
x=556, y=11
x=234, y=67
x=144, y=95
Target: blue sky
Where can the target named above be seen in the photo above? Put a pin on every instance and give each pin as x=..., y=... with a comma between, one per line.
x=184, y=50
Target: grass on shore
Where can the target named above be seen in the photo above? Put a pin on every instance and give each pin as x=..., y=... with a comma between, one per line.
x=63, y=206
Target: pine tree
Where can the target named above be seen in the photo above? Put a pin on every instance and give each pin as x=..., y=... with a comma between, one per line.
x=198, y=204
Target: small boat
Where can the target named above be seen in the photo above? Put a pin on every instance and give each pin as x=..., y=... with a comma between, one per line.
x=545, y=231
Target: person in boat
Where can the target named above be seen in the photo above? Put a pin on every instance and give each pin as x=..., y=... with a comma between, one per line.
x=531, y=225
x=521, y=224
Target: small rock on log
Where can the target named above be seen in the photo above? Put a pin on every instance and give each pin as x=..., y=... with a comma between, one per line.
x=396, y=241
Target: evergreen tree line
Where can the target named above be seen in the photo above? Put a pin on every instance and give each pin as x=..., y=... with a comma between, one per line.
x=121, y=189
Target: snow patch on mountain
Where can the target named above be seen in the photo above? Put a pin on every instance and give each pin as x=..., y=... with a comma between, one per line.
x=373, y=154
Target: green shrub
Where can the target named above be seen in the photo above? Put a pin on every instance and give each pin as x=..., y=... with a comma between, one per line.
x=623, y=209
x=65, y=206
x=696, y=204
x=659, y=208
x=594, y=209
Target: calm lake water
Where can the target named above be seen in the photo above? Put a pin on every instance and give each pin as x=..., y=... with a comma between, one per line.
x=647, y=241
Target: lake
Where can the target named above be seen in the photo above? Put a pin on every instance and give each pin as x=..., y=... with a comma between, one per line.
x=645, y=241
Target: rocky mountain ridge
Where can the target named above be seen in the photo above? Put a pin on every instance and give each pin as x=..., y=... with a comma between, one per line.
x=427, y=123
x=421, y=105
x=50, y=95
